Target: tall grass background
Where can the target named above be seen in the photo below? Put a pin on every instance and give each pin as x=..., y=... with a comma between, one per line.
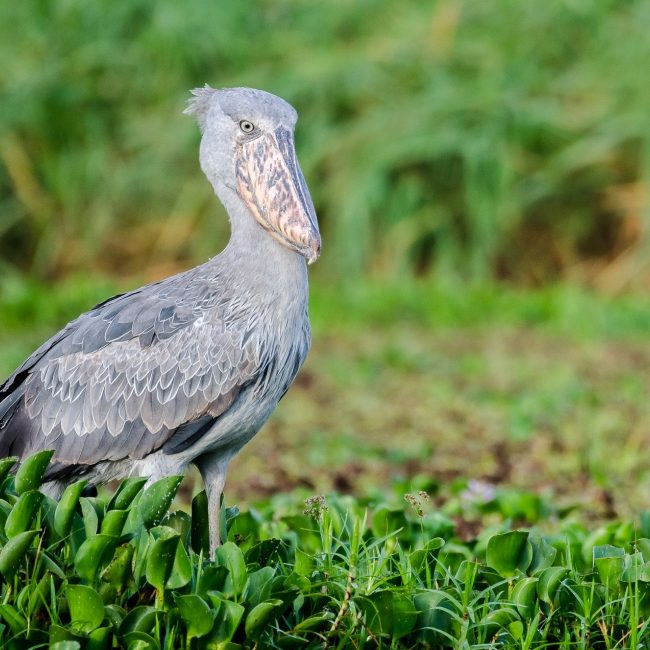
x=496, y=139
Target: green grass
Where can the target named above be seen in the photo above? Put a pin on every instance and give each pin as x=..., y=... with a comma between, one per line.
x=487, y=138
x=118, y=570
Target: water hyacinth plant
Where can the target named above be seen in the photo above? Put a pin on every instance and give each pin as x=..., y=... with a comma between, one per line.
x=123, y=570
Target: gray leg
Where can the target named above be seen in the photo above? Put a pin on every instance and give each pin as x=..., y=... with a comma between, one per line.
x=213, y=468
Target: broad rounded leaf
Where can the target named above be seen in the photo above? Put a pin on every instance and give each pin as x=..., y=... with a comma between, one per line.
x=378, y=611
x=259, y=616
x=196, y=614
x=23, y=513
x=127, y=491
x=524, y=596
x=230, y=556
x=113, y=522
x=14, y=552
x=509, y=553
x=610, y=564
x=549, y=582
x=498, y=619
x=89, y=516
x=140, y=619
x=30, y=473
x=86, y=608
x=66, y=507
x=5, y=467
x=160, y=561
x=94, y=555
x=544, y=554
x=66, y=645
x=157, y=498
x=228, y=619
x=118, y=572
x=140, y=641
x=435, y=618
x=258, y=587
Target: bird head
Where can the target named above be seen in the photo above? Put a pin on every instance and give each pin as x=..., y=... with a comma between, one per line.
x=247, y=145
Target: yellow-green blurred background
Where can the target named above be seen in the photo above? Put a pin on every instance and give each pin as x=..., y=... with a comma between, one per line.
x=480, y=169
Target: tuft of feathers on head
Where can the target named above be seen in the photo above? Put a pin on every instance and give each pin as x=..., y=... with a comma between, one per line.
x=199, y=104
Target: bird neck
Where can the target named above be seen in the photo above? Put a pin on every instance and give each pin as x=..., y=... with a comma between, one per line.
x=254, y=252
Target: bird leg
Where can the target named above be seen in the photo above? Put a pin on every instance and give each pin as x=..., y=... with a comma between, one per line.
x=213, y=468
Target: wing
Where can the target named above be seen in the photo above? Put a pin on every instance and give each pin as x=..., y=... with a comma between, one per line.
x=143, y=370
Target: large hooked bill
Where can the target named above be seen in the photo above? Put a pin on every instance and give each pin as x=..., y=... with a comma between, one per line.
x=271, y=184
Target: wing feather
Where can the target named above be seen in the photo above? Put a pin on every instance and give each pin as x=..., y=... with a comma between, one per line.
x=119, y=381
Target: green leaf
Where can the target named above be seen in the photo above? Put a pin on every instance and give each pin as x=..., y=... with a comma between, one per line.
x=14, y=553
x=228, y=619
x=636, y=569
x=314, y=623
x=140, y=641
x=127, y=491
x=89, y=516
x=509, y=553
x=213, y=578
x=196, y=614
x=181, y=570
x=258, y=587
x=498, y=619
x=378, y=611
x=39, y=595
x=404, y=615
x=230, y=556
x=524, y=596
x=140, y=619
x=160, y=561
x=119, y=571
x=113, y=522
x=386, y=520
x=427, y=555
x=86, y=608
x=304, y=563
x=643, y=545
x=179, y=521
x=259, y=617
x=549, y=582
x=264, y=552
x=16, y=621
x=5, y=467
x=435, y=616
x=66, y=507
x=99, y=639
x=94, y=555
x=23, y=513
x=50, y=565
x=610, y=564
x=157, y=498
x=544, y=554
x=200, y=528
x=30, y=473
x=66, y=645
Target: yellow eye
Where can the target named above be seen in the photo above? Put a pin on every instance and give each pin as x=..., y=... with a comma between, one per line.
x=246, y=126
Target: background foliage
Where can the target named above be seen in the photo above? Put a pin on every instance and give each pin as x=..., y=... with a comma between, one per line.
x=490, y=139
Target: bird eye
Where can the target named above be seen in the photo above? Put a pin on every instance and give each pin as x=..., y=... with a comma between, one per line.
x=246, y=126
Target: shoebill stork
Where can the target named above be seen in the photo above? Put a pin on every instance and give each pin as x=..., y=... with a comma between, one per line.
x=188, y=369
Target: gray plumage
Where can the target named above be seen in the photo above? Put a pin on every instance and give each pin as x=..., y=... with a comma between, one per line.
x=189, y=368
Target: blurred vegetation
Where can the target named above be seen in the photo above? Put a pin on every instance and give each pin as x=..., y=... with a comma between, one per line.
x=480, y=139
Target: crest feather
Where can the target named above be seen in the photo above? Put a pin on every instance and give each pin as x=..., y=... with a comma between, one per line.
x=199, y=104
